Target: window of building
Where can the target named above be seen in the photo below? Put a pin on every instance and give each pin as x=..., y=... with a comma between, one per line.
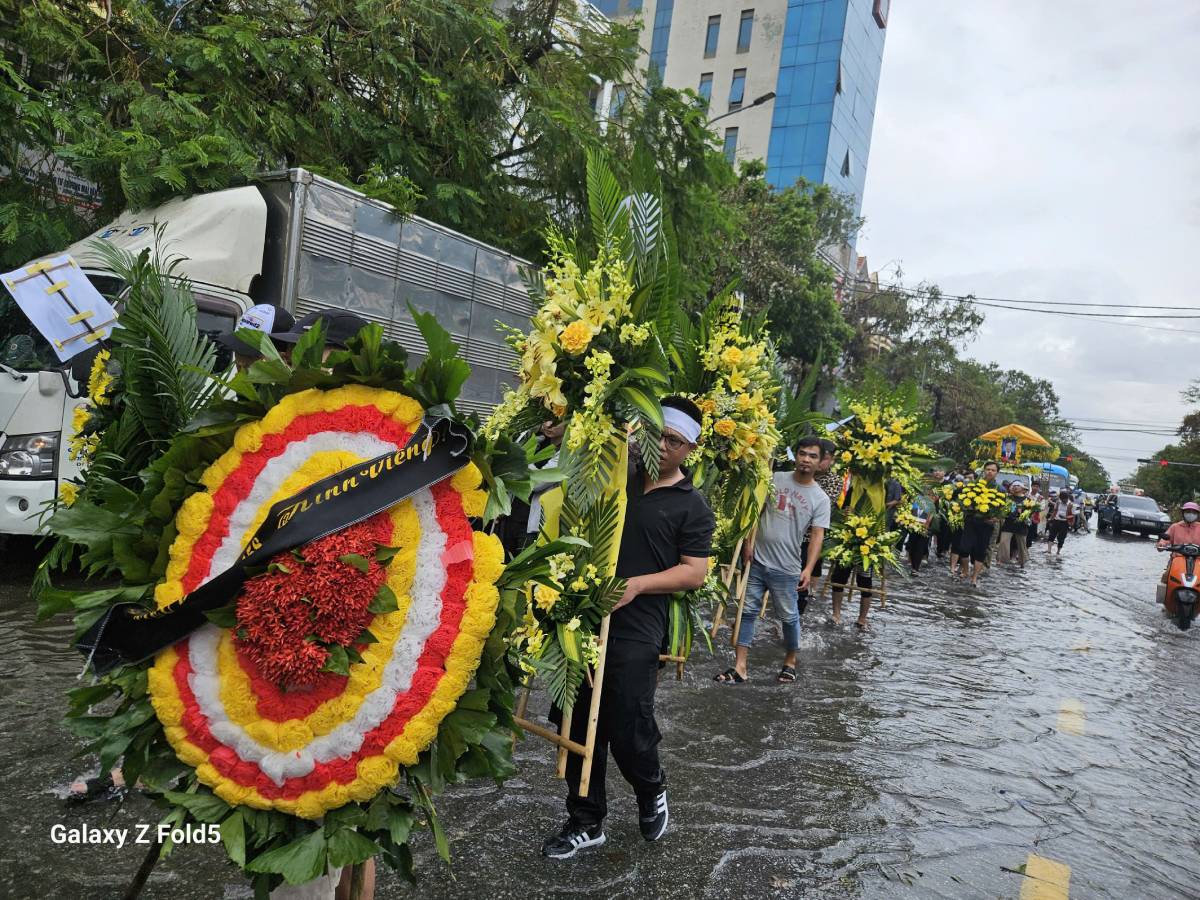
x=616, y=103
x=594, y=97
x=731, y=135
x=745, y=29
x=705, y=89
x=710, y=38
x=737, y=90
x=846, y=165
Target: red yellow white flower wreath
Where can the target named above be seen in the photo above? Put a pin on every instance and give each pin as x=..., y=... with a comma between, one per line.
x=344, y=738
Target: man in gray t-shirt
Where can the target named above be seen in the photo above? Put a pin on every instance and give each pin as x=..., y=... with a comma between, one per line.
x=798, y=510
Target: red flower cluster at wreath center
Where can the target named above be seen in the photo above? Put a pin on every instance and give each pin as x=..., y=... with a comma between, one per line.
x=310, y=600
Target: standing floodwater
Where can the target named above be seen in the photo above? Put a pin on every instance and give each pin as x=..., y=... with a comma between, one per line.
x=1050, y=713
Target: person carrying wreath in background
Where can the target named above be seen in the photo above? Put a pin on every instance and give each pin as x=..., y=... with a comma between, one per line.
x=830, y=481
x=1060, y=514
x=922, y=513
x=978, y=531
x=1013, y=540
x=774, y=557
x=664, y=548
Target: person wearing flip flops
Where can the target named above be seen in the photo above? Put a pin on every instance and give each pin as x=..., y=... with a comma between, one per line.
x=800, y=508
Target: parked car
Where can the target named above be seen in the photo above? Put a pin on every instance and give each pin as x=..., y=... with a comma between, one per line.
x=1128, y=512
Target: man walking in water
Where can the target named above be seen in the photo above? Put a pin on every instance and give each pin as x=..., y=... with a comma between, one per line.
x=664, y=548
x=774, y=557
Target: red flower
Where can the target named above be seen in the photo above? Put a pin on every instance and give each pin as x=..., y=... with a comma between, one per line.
x=293, y=614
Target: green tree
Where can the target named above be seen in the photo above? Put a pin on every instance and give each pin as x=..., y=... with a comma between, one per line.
x=776, y=261
x=475, y=116
x=1172, y=485
x=1093, y=477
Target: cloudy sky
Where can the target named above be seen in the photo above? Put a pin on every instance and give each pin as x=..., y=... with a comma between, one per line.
x=1051, y=151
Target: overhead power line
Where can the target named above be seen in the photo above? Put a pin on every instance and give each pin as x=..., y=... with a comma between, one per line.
x=1092, y=421
x=896, y=286
x=971, y=300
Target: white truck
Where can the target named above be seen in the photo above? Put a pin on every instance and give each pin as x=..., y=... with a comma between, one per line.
x=292, y=238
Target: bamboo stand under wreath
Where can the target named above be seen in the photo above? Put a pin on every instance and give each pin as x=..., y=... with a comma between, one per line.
x=562, y=738
x=879, y=592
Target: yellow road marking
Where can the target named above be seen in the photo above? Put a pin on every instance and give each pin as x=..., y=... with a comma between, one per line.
x=1071, y=717
x=1045, y=879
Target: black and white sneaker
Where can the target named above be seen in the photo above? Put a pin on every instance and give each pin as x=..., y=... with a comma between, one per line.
x=654, y=816
x=571, y=838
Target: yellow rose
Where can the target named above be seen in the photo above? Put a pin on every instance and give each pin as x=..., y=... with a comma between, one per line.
x=575, y=337
x=725, y=427
x=860, y=532
x=69, y=493
x=846, y=457
x=544, y=597
x=732, y=356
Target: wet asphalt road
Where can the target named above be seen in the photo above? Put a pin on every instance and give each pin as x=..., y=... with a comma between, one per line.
x=1051, y=712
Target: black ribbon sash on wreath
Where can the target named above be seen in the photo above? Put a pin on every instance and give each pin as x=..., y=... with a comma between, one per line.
x=129, y=633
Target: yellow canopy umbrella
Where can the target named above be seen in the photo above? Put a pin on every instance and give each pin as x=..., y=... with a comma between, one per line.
x=1020, y=432
x=1013, y=443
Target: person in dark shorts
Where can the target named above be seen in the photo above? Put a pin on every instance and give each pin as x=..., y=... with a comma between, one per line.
x=978, y=532
x=1060, y=515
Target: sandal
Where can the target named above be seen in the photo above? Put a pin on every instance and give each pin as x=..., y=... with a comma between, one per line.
x=730, y=676
x=787, y=675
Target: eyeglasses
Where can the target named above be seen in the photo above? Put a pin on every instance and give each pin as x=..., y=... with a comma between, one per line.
x=674, y=443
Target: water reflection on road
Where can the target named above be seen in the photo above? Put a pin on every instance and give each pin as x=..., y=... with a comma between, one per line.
x=1051, y=712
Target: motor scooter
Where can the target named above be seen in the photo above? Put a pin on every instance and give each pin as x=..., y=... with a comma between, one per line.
x=1182, y=590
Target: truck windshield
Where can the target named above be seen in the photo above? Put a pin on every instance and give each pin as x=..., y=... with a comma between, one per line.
x=21, y=347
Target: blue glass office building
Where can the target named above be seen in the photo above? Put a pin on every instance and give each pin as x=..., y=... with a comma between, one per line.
x=825, y=95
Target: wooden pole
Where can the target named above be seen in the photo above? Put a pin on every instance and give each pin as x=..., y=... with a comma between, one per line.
x=585, y=776
x=564, y=732
x=143, y=873
x=523, y=703
x=727, y=575
x=552, y=736
x=358, y=881
x=741, y=598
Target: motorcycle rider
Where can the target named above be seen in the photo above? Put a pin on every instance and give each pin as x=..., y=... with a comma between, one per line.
x=1184, y=532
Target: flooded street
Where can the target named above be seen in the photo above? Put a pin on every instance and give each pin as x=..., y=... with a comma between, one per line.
x=1050, y=714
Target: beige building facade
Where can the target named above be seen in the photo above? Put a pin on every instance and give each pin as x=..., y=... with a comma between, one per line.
x=692, y=61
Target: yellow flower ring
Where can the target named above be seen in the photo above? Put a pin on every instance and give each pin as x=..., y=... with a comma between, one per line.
x=306, y=751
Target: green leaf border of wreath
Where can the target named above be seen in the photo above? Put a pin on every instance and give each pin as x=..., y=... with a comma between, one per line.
x=119, y=530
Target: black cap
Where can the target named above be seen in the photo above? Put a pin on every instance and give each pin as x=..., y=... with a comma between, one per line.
x=266, y=317
x=338, y=324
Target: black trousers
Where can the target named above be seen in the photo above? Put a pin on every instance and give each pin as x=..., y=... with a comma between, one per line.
x=943, y=538
x=1057, y=531
x=803, y=595
x=841, y=575
x=918, y=549
x=626, y=727
x=977, y=539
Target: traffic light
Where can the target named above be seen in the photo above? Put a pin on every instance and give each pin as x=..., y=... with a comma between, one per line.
x=1164, y=463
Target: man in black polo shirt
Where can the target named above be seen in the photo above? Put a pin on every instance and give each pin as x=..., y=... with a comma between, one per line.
x=664, y=548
